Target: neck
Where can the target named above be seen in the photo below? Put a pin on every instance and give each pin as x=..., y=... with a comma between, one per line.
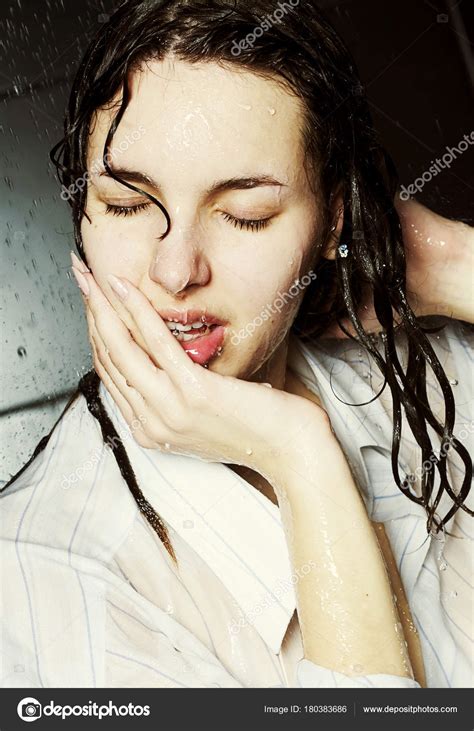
x=273, y=371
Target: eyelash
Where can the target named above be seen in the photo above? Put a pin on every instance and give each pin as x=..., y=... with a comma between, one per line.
x=247, y=223
x=125, y=210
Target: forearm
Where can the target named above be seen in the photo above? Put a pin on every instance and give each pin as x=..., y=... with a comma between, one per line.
x=347, y=616
x=440, y=262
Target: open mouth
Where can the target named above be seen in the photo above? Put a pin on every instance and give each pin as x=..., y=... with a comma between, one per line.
x=186, y=333
x=200, y=339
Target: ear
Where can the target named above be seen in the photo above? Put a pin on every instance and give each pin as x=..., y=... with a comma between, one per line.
x=337, y=217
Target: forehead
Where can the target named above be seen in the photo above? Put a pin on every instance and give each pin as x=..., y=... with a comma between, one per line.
x=200, y=120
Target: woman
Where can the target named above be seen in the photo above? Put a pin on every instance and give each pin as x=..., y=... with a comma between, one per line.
x=235, y=221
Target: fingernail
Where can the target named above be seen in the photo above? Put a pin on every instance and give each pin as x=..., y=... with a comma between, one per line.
x=76, y=262
x=118, y=286
x=81, y=282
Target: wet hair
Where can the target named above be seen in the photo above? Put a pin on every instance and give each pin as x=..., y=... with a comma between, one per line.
x=302, y=52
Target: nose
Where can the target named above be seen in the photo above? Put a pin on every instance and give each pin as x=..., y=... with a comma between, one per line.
x=179, y=261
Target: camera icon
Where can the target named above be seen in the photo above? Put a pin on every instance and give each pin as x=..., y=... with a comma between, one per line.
x=29, y=709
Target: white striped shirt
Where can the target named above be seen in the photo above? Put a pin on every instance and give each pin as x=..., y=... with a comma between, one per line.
x=91, y=597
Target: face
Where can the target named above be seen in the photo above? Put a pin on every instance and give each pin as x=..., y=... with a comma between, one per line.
x=221, y=149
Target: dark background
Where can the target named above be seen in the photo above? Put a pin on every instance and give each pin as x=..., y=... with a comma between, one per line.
x=416, y=62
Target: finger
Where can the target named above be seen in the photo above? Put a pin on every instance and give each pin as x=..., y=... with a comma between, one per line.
x=125, y=408
x=152, y=421
x=127, y=356
x=131, y=396
x=161, y=344
x=133, y=419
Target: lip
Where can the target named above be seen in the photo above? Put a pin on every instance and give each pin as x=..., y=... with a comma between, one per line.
x=203, y=348
x=200, y=349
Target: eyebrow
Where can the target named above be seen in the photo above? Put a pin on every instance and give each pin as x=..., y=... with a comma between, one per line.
x=220, y=186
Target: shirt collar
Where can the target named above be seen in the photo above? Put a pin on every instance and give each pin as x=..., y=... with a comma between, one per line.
x=234, y=528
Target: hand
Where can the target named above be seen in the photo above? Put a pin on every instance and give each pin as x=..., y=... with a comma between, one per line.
x=439, y=258
x=181, y=406
x=440, y=262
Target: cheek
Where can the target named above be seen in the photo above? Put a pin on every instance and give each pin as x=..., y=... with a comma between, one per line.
x=261, y=277
x=111, y=248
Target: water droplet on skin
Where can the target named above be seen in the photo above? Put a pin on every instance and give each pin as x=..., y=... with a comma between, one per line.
x=167, y=445
x=453, y=381
x=248, y=451
x=443, y=566
x=268, y=385
x=271, y=111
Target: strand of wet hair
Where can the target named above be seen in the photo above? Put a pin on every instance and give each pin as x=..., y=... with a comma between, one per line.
x=89, y=387
x=41, y=444
x=413, y=391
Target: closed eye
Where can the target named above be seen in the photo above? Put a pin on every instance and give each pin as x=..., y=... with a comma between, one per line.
x=126, y=210
x=248, y=223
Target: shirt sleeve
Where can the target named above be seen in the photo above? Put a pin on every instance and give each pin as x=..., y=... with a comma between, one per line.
x=310, y=675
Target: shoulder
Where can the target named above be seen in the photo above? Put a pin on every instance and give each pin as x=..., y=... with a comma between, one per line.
x=70, y=437
x=71, y=496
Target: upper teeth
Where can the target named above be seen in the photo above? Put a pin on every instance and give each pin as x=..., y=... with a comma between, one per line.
x=183, y=328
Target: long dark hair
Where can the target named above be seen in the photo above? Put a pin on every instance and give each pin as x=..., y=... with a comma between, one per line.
x=344, y=158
